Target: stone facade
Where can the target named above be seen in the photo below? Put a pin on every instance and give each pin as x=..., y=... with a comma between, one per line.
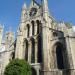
x=1, y=33
x=48, y=46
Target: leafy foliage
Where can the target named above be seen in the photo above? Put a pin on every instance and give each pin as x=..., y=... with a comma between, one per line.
x=18, y=67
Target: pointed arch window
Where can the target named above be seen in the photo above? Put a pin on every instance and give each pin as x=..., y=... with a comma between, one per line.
x=33, y=29
x=39, y=31
x=28, y=30
x=39, y=49
x=59, y=56
x=38, y=26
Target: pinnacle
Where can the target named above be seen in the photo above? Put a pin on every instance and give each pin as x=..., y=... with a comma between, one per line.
x=24, y=6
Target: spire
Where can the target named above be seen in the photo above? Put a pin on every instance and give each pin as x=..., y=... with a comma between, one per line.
x=45, y=5
x=24, y=6
x=46, y=12
x=24, y=12
x=9, y=38
x=1, y=33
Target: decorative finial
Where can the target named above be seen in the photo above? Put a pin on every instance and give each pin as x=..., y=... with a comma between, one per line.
x=10, y=29
x=24, y=6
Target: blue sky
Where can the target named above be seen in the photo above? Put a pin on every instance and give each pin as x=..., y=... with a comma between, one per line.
x=10, y=11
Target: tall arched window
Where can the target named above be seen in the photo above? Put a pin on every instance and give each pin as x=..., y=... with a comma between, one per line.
x=59, y=56
x=39, y=31
x=26, y=50
x=39, y=49
x=38, y=25
x=33, y=27
x=28, y=30
x=33, y=51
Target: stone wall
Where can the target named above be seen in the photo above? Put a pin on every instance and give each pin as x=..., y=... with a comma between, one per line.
x=59, y=72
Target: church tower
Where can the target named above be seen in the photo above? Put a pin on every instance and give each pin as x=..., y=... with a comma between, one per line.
x=48, y=46
x=45, y=9
x=21, y=33
x=40, y=41
x=1, y=34
x=9, y=39
x=33, y=36
x=45, y=36
x=9, y=48
x=24, y=13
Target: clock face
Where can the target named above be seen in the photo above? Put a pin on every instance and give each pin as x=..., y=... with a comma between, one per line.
x=33, y=11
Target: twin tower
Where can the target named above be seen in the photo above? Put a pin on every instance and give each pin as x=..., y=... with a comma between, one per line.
x=48, y=46
x=7, y=38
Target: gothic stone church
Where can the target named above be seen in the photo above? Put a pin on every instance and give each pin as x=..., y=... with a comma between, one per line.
x=48, y=46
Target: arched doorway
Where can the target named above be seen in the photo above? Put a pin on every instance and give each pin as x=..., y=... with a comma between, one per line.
x=59, y=56
x=33, y=71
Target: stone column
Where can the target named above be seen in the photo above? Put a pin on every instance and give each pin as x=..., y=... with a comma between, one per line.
x=30, y=32
x=72, y=53
x=26, y=33
x=37, y=71
x=35, y=33
x=24, y=49
x=70, y=60
x=19, y=47
x=53, y=61
x=45, y=49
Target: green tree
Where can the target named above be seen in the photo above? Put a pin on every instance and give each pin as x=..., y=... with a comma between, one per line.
x=18, y=67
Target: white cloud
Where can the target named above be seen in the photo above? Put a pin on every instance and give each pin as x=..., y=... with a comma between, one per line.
x=74, y=28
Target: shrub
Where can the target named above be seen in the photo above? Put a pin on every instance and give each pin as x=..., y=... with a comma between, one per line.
x=18, y=67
